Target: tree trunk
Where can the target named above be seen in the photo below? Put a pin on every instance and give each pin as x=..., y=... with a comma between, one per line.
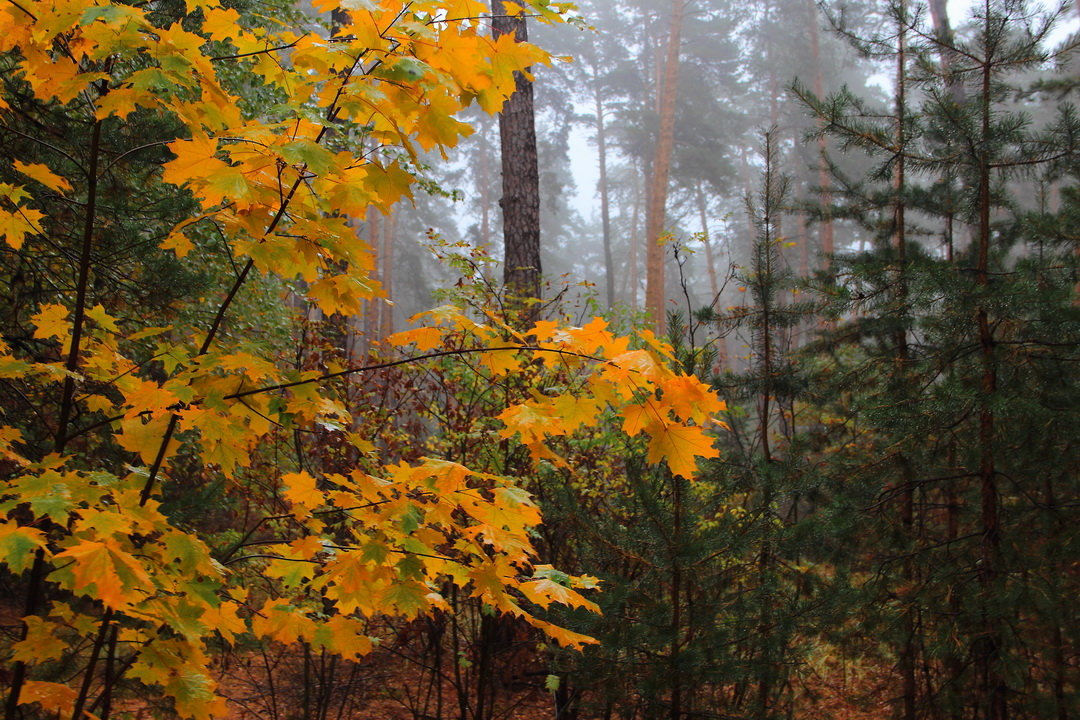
x=656, y=203
x=605, y=200
x=939, y=16
x=371, y=305
x=675, y=647
x=706, y=239
x=987, y=653
x=827, y=235
x=634, y=272
x=907, y=503
x=484, y=184
x=386, y=319
x=520, y=175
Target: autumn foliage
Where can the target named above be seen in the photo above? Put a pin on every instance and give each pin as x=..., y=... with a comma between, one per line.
x=109, y=406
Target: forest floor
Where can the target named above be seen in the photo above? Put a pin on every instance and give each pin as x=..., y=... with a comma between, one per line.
x=282, y=684
x=389, y=686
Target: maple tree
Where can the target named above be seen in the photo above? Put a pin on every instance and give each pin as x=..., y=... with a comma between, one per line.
x=129, y=401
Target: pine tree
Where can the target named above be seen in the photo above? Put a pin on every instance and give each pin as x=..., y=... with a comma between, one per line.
x=947, y=337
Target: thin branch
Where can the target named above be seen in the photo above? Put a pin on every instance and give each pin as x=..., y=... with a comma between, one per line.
x=219, y=58
x=404, y=361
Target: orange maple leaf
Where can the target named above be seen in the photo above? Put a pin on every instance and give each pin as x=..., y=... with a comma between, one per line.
x=679, y=445
x=117, y=575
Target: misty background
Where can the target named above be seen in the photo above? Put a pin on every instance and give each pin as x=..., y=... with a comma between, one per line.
x=737, y=65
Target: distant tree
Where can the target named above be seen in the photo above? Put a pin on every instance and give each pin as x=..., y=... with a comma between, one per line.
x=660, y=169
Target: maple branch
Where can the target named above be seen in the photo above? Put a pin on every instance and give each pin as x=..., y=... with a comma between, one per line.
x=399, y=551
x=219, y=317
x=343, y=373
x=39, y=141
x=35, y=585
x=405, y=361
x=124, y=154
x=88, y=673
x=270, y=557
x=256, y=52
x=112, y=381
x=242, y=542
x=68, y=394
x=347, y=548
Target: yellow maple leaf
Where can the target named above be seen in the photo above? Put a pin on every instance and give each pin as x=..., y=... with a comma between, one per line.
x=425, y=338
x=531, y=420
x=341, y=293
x=280, y=621
x=15, y=226
x=300, y=490
x=592, y=337
x=196, y=160
x=224, y=618
x=9, y=435
x=342, y=636
x=42, y=642
x=52, y=321
x=637, y=417
x=499, y=362
x=544, y=330
x=566, y=638
x=102, y=318
x=144, y=437
x=117, y=576
x=575, y=412
x=226, y=439
x=123, y=101
x=221, y=24
x=54, y=697
x=146, y=396
x=544, y=591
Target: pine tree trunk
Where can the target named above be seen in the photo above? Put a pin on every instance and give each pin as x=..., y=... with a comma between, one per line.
x=675, y=647
x=706, y=239
x=907, y=503
x=939, y=16
x=764, y=277
x=988, y=647
x=634, y=273
x=827, y=235
x=520, y=175
x=656, y=203
x=605, y=199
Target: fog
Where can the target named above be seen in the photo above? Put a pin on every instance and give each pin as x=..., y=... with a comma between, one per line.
x=737, y=65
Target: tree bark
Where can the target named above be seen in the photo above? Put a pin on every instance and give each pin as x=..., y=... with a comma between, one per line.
x=656, y=203
x=520, y=175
